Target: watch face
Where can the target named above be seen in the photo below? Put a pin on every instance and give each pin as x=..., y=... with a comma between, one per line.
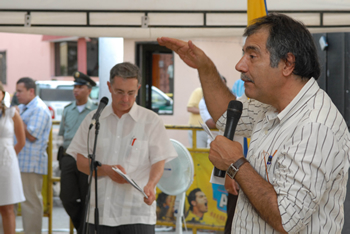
x=232, y=171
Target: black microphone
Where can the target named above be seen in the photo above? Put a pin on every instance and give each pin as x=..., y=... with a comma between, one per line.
x=101, y=106
x=234, y=112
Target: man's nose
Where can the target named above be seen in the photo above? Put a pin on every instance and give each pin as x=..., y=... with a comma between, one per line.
x=125, y=97
x=241, y=66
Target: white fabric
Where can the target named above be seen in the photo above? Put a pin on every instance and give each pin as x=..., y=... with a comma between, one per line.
x=203, y=111
x=121, y=203
x=7, y=100
x=309, y=172
x=10, y=178
x=81, y=108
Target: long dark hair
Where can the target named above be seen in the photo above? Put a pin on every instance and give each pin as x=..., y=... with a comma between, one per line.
x=2, y=104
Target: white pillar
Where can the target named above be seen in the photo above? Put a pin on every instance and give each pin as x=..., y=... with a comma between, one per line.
x=111, y=52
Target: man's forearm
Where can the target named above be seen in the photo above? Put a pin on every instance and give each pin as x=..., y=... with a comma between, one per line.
x=261, y=195
x=29, y=136
x=216, y=93
x=83, y=165
x=156, y=173
x=193, y=110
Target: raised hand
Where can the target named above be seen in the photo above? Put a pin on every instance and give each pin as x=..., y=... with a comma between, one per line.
x=188, y=52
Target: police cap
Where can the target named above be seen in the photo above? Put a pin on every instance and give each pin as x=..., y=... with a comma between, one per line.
x=82, y=79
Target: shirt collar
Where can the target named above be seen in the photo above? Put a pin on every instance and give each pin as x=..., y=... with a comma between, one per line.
x=133, y=112
x=32, y=103
x=88, y=104
x=305, y=94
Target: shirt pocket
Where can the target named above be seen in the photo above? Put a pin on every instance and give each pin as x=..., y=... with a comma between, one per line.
x=138, y=156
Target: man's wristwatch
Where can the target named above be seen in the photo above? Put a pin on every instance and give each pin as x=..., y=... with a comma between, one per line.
x=233, y=168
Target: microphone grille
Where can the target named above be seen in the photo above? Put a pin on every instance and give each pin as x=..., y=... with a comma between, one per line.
x=104, y=100
x=235, y=105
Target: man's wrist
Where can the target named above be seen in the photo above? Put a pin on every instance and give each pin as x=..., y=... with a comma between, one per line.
x=234, y=167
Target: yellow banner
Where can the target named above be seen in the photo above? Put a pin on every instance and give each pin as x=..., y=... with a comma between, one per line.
x=205, y=202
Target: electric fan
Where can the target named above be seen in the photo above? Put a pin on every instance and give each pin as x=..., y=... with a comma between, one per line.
x=177, y=178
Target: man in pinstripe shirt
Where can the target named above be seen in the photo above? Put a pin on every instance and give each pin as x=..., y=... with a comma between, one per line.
x=298, y=160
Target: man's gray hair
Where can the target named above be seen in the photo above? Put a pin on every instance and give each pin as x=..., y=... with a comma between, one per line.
x=125, y=70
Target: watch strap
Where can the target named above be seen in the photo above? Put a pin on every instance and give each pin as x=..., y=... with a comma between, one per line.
x=233, y=169
x=240, y=162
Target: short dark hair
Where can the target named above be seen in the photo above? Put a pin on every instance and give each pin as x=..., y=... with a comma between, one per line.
x=125, y=70
x=161, y=199
x=28, y=82
x=192, y=197
x=287, y=35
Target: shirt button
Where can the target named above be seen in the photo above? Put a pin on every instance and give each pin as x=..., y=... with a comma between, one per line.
x=266, y=131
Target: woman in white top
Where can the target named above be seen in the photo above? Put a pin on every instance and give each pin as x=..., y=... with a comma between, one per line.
x=10, y=179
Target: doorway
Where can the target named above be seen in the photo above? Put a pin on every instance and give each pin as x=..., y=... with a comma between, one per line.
x=157, y=68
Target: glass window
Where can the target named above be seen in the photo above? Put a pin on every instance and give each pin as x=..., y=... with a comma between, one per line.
x=92, y=57
x=66, y=57
x=163, y=80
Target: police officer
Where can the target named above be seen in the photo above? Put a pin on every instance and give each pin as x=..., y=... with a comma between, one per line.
x=74, y=184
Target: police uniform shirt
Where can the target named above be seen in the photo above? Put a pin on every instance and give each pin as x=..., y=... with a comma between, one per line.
x=71, y=119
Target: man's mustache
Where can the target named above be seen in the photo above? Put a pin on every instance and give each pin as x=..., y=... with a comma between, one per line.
x=244, y=77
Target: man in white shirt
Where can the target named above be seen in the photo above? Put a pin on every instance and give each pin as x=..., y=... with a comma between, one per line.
x=295, y=175
x=132, y=139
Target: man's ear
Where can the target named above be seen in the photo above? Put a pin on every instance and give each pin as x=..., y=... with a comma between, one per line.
x=289, y=65
x=32, y=91
x=194, y=203
x=109, y=86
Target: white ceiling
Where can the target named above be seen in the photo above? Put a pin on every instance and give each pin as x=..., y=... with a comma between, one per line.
x=179, y=18
x=172, y=5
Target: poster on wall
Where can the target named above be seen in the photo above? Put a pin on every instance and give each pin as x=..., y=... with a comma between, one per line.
x=205, y=202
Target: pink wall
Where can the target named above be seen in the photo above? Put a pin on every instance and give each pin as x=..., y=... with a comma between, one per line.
x=82, y=66
x=225, y=52
x=26, y=55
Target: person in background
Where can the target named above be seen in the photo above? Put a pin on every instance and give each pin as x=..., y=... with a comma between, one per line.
x=10, y=178
x=132, y=139
x=14, y=101
x=33, y=157
x=206, y=118
x=195, y=118
x=238, y=88
x=74, y=184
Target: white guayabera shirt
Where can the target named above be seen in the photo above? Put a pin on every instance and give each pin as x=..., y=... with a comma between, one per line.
x=310, y=144
x=136, y=141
